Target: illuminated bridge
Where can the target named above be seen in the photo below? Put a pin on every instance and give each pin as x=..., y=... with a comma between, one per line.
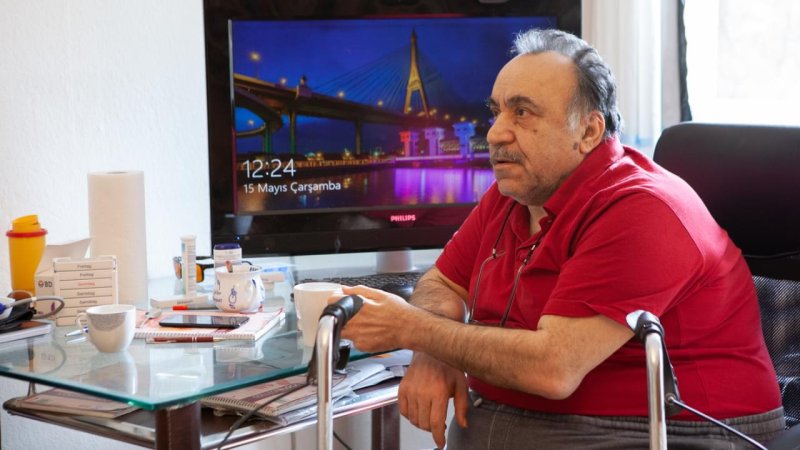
x=394, y=89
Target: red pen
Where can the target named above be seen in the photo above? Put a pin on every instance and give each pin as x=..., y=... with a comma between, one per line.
x=182, y=339
x=188, y=307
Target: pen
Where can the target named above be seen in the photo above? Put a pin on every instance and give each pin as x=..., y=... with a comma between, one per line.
x=77, y=332
x=77, y=340
x=188, y=307
x=152, y=314
x=182, y=339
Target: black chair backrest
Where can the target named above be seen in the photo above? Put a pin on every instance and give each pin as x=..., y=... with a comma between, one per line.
x=749, y=178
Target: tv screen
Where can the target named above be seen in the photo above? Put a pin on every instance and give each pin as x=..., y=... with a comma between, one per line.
x=334, y=134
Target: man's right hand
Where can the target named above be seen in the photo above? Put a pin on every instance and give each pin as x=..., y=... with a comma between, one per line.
x=424, y=394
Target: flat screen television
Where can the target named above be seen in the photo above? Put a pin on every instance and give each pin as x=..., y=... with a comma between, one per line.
x=354, y=126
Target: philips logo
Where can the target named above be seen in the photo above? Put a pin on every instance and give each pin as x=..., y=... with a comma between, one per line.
x=403, y=218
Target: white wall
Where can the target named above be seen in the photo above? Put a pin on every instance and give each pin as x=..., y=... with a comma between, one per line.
x=96, y=85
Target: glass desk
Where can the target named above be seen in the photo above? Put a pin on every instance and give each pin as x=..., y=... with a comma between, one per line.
x=167, y=380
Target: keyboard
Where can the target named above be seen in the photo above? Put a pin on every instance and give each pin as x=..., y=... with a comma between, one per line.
x=401, y=284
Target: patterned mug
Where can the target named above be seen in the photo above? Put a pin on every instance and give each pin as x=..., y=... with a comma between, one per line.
x=240, y=290
x=110, y=327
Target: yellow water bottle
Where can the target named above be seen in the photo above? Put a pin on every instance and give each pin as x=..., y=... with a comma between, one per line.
x=25, y=249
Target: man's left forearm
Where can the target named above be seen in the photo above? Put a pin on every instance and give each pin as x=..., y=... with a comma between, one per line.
x=550, y=361
x=503, y=357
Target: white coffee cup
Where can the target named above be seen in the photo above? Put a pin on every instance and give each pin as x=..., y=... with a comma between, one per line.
x=110, y=327
x=239, y=291
x=309, y=301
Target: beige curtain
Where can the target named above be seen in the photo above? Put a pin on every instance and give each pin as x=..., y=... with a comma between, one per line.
x=637, y=38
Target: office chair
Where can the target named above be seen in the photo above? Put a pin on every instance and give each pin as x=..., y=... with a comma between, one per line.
x=749, y=178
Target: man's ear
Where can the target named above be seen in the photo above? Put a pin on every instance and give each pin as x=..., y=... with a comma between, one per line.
x=594, y=127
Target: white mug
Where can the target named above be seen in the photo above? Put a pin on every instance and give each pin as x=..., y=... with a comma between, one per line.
x=309, y=301
x=110, y=327
x=239, y=291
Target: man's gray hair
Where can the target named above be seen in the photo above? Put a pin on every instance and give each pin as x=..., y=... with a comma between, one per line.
x=597, y=88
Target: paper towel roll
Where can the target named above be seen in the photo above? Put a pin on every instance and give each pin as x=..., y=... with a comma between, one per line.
x=117, y=227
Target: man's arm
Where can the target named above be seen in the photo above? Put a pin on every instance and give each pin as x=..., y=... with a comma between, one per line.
x=436, y=293
x=551, y=361
x=429, y=384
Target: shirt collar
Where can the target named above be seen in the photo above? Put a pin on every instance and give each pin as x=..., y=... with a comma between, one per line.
x=595, y=163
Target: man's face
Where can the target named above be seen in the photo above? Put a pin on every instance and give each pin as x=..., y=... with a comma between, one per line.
x=533, y=148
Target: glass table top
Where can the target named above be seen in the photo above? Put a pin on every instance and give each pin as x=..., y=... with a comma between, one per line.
x=154, y=376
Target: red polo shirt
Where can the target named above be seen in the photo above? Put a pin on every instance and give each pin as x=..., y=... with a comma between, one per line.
x=623, y=234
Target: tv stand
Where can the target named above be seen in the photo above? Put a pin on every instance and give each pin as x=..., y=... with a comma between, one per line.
x=394, y=261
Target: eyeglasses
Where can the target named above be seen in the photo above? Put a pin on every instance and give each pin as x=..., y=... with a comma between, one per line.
x=494, y=256
x=200, y=267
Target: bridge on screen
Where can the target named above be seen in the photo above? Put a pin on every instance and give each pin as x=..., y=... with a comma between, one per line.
x=400, y=88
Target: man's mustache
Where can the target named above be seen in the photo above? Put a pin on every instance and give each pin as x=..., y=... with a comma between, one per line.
x=501, y=154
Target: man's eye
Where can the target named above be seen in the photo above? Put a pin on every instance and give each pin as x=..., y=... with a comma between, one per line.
x=521, y=112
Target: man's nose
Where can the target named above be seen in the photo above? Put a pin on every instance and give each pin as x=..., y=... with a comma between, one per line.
x=500, y=132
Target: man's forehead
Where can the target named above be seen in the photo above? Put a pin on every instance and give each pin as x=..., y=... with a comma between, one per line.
x=550, y=60
x=534, y=77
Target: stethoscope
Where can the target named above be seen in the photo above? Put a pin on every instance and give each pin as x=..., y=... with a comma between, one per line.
x=495, y=254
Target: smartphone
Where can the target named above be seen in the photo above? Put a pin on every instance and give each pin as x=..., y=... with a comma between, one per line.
x=202, y=321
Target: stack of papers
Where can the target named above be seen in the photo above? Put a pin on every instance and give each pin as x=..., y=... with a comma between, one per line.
x=371, y=371
x=395, y=362
x=302, y=403
x=67, y=402
x=272, y=395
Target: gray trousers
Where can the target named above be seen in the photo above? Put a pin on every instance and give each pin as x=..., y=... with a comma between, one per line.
x=494, y=426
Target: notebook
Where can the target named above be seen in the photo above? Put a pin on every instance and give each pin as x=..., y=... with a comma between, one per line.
x=257, y=326
x=27, y=329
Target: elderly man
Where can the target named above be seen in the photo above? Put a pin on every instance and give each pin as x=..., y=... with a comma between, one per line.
x=522, y=319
